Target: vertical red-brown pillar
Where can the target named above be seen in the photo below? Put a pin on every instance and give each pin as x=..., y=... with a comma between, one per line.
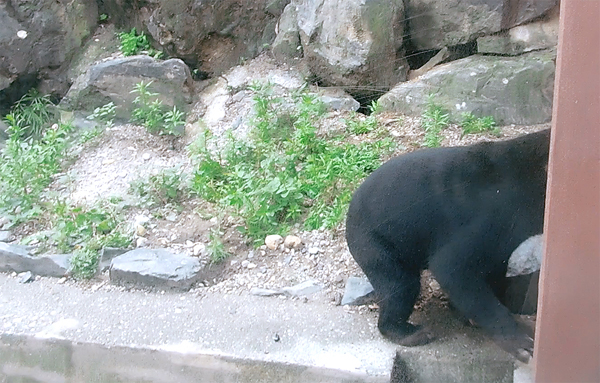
x=567, y=343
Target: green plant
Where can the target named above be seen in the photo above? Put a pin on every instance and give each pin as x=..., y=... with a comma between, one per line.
x=27, y=167
x=105, y=114
x=174, y=120
x=284, y=171
x=84, y=263
x=375, y=107
x=472, y=124
x=90, y=134
x=103, y=17
x=77, y=226
x=216, y=249
x=132, y=43
x=34, y=113
x=434, y=119
x=149, y=112
x=162, y=188
x=355, y=125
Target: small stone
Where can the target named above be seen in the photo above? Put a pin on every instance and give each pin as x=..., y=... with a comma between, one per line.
x=434, y=285
x=264, y=292
x=302, y=289
x=189, y=244
x=314, y=250
x=251, y=265
x=26, y=277
x=141, y=219
x=5, y=236
x=198, y=249
x=233, y=262
x=272, y=241
x=140, y=230
x=251, y=254
x=245, y=263
x=276, y=337
x=141, y=242
x=171, y=216
x=146, y=156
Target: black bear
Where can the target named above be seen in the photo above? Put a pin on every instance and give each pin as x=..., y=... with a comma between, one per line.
x=459, y=212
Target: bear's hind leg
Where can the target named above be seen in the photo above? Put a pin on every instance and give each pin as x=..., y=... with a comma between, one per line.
x=397, y=289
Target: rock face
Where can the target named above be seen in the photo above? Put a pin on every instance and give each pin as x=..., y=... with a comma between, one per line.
x=346, y=43
x=514, y=90
x=155, y=268
x=37, y=37
x=115, y=79
x=17, y=258
x=522, y=38
x=213, y=34
x=287, y=46
x=436, y=24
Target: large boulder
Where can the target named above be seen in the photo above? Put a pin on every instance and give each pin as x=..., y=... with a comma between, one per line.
x=513, y=90
x=213, y=35
x=114, y=80
x=436, y=24
x=38, y=37
x=349, y=43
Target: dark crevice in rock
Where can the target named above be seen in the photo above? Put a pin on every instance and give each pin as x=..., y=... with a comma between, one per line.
x=15, y=91
x=416, y=59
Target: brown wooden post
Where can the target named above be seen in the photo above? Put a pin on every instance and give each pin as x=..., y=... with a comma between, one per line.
x=567, y=343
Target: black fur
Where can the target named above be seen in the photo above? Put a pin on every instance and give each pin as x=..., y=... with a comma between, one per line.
x=459, y=212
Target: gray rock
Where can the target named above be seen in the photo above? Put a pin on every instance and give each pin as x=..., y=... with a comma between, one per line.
x=357, y=291
x=337, y=99
x=17, y=258
x=276, y=7
x=352, y=42
x=3, y=136
x=264, y=292
x=42, y=36
x=436, y=24
x=115, y=79
x=513, y=90
x=155, y=268
x=302, y=289
x=5, y=235
x=287, y=46
x=522, y=38
x=26, y=277
x=527, y=258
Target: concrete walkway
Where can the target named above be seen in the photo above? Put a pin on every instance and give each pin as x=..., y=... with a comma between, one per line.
x=306, y=342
